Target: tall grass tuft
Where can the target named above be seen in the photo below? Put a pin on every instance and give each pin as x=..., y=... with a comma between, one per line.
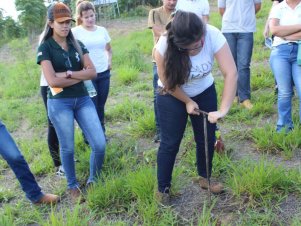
x=261, y=181
x=127, y=74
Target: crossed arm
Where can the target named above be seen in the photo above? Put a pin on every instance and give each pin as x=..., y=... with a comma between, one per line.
x=58, y=79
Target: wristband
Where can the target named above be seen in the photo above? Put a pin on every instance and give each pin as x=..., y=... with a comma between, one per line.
x=68, y=74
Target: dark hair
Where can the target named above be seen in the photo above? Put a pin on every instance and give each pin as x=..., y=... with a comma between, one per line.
x=48, y=32
x=82, y=6
x=185, y=29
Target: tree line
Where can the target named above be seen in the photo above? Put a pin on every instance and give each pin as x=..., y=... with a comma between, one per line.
x=33, y=16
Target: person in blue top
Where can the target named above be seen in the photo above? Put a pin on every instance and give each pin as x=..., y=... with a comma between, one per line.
x=66, y=64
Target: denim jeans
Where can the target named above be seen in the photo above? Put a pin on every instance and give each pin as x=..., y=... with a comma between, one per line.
x=241, y=45
x=62, y=113
x=173, y=118
x=102, y=86
x=283, y=61
x=10, y=152
x=53, y=142
x=155, y=86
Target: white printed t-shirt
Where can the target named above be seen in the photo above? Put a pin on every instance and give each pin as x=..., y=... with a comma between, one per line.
x=95, y=41
x=200, y=77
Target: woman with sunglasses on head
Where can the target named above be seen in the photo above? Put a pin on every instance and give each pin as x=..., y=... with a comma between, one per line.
x=185, y=57
x=97, y=41
x=66, y=64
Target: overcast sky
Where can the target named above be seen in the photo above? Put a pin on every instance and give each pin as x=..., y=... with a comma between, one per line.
x=9, y=8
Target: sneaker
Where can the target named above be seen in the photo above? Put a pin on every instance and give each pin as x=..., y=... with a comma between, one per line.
x=162, y=198
x=75, y=195
x=247, y=104
x=48, y=199
x=215, y=187
x=60, y=171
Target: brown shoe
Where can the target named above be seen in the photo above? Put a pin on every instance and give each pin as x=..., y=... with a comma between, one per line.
x=247, y=104
x=75, y=195
x=48, y=199
x=215, y=187
x=162, y=198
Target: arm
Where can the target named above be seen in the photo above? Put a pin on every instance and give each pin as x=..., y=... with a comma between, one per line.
x=257, y=7
x=221, y=11
x=109, y=52
x=294, y=37
x=266, y=31
x=283, y=30
x=178, y=92
x=59, y=79
x=227, y=66
x=205, y=18
x=157, y=31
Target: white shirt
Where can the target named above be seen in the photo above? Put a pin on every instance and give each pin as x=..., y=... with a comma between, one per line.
x=200, y=77
x=199, y=7
x=95, y=41
x=286, y=16
x=43, y=81
x=239, y=15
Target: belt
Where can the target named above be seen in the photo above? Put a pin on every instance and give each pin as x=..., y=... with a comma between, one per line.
x=292, y=43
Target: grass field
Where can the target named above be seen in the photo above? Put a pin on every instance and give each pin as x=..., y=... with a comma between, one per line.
x=260, y=168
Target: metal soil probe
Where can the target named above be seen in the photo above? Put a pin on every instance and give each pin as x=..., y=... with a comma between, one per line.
x=207, y=154
x=205, y=115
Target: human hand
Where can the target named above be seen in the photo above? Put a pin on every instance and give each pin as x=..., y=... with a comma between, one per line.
x=191, y=108
x=214, y=116
x=266, y=33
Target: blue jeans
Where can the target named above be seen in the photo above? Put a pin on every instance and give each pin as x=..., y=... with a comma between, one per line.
x=62, y=113
x=102, y=86
x=155, y=86
x=241, y=45
x=173, y=118
x=10, y=152
x=283, y=61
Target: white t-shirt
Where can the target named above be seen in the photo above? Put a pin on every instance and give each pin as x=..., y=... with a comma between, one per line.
x=239, y=15
x=286, y=16
x=200, y=77
x=199, y=7
x=43, y=81
x=95, y=41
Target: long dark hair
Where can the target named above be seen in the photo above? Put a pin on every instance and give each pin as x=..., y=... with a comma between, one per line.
x=48, y=32
x=185, y=29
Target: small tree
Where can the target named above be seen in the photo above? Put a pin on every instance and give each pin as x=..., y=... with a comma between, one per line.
x=32, y=17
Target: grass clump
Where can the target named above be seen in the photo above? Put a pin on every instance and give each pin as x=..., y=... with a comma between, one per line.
x=262, y=182
x=127, y=110
x=127, y=74
x=268, y=140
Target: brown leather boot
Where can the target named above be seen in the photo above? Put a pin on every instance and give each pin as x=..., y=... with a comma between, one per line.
x=48, y=199
x=215, y=187
x=75, y=195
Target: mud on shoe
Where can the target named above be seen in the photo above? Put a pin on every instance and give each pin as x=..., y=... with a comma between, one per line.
x=75, y=195
x=162, y=198
x=247, y=104
x=215, y=187
x=48, y=199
